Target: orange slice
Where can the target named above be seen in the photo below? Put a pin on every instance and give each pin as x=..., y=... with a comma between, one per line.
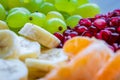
x=76, y=44
x=111, y=71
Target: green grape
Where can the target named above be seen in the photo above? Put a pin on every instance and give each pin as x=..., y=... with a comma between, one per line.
x=33, y=5
x=26, y=1
x=54, y=14
x=47, y=7
x=66, y=5
x=19, y=8
x=55, y=25
x=51, y=1
x=87, y=10
x=37, y=18
x=65, y=15
x=16, y=20
x=4, y=3
x=14, y=3
x=81, y=2
x=2, y=12
x=72, y=21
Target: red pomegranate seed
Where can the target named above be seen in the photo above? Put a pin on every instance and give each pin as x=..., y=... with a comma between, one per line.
x=98, y=36
x=105, y=34
x=112, y=29
x=80, y=29
x=87, y=33
x=67, y=32
x=114, y=21
x=73, y=34
x=117, y=12
x=101, y=16
x=92, y=19
x=66, y=38
x=114, y=13
x=59, y=36
x=93, y=29
x=114, y=38
x=118, y=29
x=100, y=23
x=85, y=22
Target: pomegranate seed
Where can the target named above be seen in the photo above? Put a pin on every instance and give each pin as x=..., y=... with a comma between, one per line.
x=114, y=13
x=118, y=29
x=87, y=33
x=66, y=38
x=100, y=23
x=117, y=11
x=108, y=21
x=98, y=36
x=93, y=29
x=59, y=36
x=112, y=29
x=114, y=21
x=113, y=38
x=73, y=34
x=85, y=22
x=105, y=34
x=67, y=32
x=92, y=19
x=100, y=16
x=81, y=29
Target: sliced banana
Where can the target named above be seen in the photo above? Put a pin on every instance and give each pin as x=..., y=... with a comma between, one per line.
x=47, y=61
x=39, y=34
x=8, y=44
x=3, y=25
x=13, y=70
x=28, y=49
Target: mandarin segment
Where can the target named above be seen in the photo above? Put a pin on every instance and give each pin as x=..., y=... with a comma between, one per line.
x=75, y=45
x=111, y=70
x=89, y=61
x=85, y=65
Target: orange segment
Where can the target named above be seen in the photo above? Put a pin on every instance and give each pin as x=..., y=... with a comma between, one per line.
x=83, y=66
x=111, y=71
x=89, y=61
x=76, y=44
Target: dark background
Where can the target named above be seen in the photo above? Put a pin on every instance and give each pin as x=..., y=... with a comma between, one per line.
x=107, y=5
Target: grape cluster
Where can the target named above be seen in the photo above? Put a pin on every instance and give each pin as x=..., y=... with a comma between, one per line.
x=103, y=26
x=52, y=15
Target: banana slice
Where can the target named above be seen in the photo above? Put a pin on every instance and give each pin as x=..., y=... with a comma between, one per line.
x=13, y=70
x=39, y=34
x=8, y=44
x=46, y=62
x=3, y=25
x=28, y=49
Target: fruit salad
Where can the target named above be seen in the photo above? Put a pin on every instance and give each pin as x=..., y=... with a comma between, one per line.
x=58, y=40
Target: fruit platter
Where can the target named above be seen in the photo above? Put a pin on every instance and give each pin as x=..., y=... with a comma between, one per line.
x=58, y=40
